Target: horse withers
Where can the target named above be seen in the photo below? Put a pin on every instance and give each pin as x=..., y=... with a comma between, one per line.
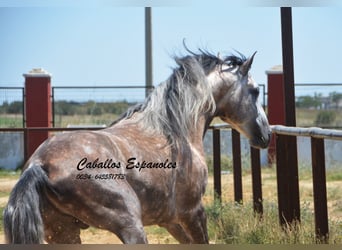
x=147, y=168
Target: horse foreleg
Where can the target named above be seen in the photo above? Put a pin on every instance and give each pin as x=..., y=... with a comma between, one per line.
x=133, y=234
x=194, y=224
x=178, y=233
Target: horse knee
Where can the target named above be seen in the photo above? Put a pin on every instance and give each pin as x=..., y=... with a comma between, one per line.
x=133, y=235
x=195, y=225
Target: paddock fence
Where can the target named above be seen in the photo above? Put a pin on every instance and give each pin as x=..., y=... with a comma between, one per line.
x=12, y=106
x=285, y=199
x=91, y=100
x=12, y=101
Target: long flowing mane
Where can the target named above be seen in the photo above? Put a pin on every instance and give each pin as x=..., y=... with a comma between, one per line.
x=174, y=107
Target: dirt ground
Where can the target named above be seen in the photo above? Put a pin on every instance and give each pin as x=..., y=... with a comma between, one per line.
x=157, y=235
x=91, y=235
x=88, y=236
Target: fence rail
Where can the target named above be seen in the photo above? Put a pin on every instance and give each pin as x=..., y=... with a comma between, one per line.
x=308, y=132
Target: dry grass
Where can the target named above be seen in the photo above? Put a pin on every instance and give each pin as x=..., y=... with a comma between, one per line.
x=233, y=223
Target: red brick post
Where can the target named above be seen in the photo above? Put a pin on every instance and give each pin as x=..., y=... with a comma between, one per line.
x=275, y=103
x=38, y=107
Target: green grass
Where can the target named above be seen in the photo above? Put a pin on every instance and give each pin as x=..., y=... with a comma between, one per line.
x=16, y=121
x=1, y=219
x=231, y=223
x=159, y=235
x=4, y=194
x=307, y=117
x=304, y=118
x=334, y=174
x=65, y=120
x=10, y=174
x=237, y=224
x=11, y=121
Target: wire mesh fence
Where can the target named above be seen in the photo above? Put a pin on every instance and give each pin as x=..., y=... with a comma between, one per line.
x=89, y=106
x=11, y=107
x=316, y=104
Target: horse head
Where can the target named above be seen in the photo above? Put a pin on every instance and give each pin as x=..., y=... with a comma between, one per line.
x=236, y=96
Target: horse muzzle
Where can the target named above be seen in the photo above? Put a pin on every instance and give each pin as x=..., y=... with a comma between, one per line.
x=261, y=140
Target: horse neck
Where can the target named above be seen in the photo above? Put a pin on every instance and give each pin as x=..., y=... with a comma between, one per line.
x=197, y=135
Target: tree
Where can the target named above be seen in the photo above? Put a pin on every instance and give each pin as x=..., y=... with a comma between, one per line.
x=65, y=108
x=15, y=107
x=4, y=107
x=308, y=101
x=335, y=98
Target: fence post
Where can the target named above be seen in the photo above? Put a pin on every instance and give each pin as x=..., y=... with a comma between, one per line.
x=148, y=51
x=217, y=164
x=256, y=181
x=37, y=107
x=275, y=104
x=287, y=180
x=319, y=189
x=236, y=149
x=290, y=182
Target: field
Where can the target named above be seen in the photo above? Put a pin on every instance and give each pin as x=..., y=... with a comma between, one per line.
x=233, y=223
x=304, y=117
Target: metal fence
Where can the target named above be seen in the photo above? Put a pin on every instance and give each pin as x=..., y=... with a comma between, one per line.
x=12, y=102
x=12, y=107
x=94, y=101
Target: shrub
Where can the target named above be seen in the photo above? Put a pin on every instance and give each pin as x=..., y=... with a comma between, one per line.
x=325, y=118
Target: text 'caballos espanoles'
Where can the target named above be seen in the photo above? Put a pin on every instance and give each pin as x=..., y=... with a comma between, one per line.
x=131, y=163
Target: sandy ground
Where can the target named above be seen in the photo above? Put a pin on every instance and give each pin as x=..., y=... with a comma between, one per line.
x=91, y=235
x=157, y=236
x=88, y=236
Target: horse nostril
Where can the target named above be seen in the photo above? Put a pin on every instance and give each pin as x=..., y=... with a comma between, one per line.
x=266, y=139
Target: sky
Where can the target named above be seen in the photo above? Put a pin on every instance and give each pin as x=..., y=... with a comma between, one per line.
x=103, y=43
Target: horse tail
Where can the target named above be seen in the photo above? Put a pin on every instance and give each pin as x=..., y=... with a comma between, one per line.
x=23, y=222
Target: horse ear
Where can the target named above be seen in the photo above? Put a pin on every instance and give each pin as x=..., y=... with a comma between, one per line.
x=246, y=66
x=219, y=55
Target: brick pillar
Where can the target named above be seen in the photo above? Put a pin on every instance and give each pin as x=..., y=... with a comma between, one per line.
x=38, y=107
x=275, y=103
